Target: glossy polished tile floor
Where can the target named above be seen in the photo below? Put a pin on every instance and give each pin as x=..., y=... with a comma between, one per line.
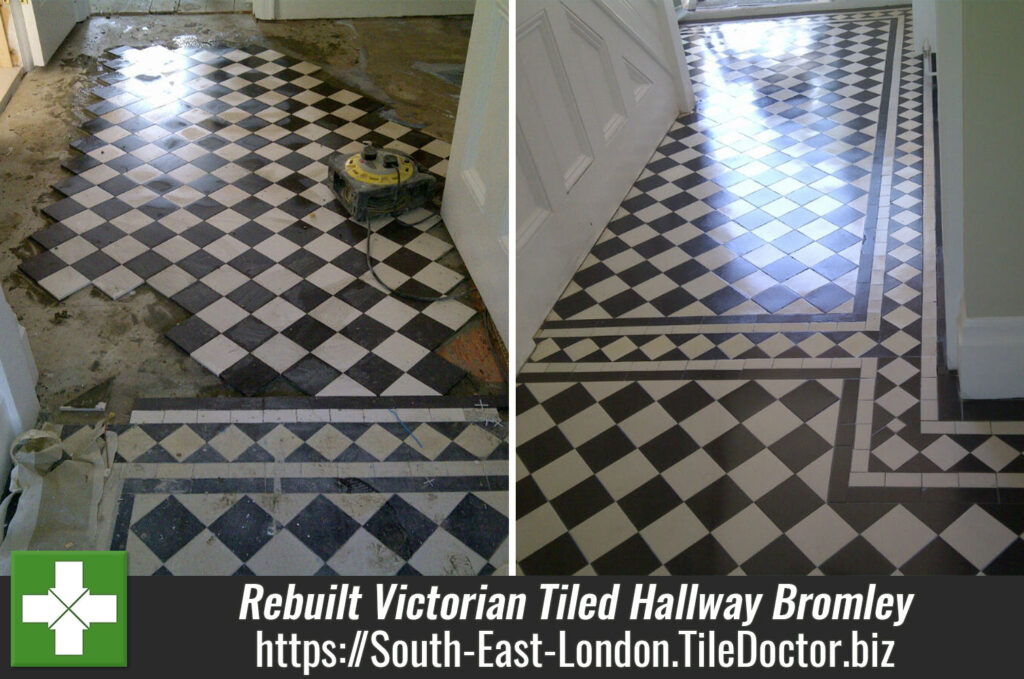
x=743, y=375
x=336, y=486
x=202, y=176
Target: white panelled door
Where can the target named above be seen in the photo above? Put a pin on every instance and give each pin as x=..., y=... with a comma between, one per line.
x=599, y=82
x=475, y=206
x=47, y=23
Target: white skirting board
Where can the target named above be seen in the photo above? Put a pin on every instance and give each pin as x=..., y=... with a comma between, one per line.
x=352, y=9
x=992, y=357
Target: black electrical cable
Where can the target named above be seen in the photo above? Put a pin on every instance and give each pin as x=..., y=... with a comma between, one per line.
x=395, y=209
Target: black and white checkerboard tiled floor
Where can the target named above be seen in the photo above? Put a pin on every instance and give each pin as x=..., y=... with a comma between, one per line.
x=328, y=487
x=202, y=176
x=745, y=375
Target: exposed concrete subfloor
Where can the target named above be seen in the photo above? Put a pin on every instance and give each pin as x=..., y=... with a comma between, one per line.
x=89, y=338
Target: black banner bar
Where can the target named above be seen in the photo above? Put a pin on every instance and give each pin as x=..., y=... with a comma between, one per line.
x=661, y=626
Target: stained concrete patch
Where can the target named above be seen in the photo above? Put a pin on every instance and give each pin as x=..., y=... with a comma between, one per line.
x=450, y=73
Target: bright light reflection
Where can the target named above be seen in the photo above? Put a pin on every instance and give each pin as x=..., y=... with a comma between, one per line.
x=728, y=98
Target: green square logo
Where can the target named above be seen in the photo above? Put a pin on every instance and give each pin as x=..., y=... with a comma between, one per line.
x=69, y=609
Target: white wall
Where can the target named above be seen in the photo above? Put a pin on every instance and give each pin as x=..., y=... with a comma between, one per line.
x=949, y=33
x=991, y=348
x=926, y=28
x=351, y=9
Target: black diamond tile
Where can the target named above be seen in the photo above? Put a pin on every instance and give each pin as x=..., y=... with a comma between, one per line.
x=580, y=502
x=196, y=297
x=632, y=557
x=789, y=503
x=561, y=556
x=437, y=373
x=800, y=447
x=323, y=527
x=305, y=296
x=103, y=235
x=311, y=375
x=249, y=376
x=649, y=502
x=544, y=449
x=200, y=263
x=167, y=528
x=425, y=331
x=685, y=401
x=747, y=400
x=400, y=527
x=809, y=399
x=600, y=451
x=42, y=265
x=367, y=332
x=566, y=404
x=374, y=373
x=95, y=265
x=781, y=557
x=620, y=405
x=251, y=296
x=734, y=447
x=191, y=334
x=718, y=502
x=250, y=333
x=244, y=528
x=308, y=333
x=251, y=263
x=704, y=557
x=147, y=264
x=668, y=448
x=478, y=525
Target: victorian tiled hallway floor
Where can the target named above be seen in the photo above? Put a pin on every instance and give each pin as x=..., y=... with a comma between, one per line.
x=744, y=375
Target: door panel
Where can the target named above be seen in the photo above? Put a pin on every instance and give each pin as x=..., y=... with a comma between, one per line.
x=599, y=82
x=475, y=206
x=48, y=22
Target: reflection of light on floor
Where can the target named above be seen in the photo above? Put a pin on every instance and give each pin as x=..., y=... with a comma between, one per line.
x=733, y=98
x=159, y=74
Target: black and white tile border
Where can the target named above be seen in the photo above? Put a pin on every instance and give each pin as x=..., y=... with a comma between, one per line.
x=302, y=493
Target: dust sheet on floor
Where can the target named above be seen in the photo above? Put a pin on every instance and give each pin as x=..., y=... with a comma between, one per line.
x=57, y=485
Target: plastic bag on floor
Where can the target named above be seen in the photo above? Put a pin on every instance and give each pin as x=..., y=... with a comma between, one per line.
x=59, y=485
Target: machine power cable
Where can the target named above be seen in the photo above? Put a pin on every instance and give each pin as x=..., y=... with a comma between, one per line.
x=394, y=211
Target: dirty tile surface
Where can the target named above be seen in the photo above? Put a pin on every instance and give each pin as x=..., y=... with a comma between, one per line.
x=421, y=488
x=202, y=176
x=744, y=376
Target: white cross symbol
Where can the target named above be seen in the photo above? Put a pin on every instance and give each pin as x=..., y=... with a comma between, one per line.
x=68, y=608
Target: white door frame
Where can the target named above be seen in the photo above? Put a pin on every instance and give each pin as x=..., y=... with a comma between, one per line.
x=475, y=205
x=29, y=48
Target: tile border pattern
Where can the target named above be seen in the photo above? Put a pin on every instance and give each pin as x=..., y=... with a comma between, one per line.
x=900, y=336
